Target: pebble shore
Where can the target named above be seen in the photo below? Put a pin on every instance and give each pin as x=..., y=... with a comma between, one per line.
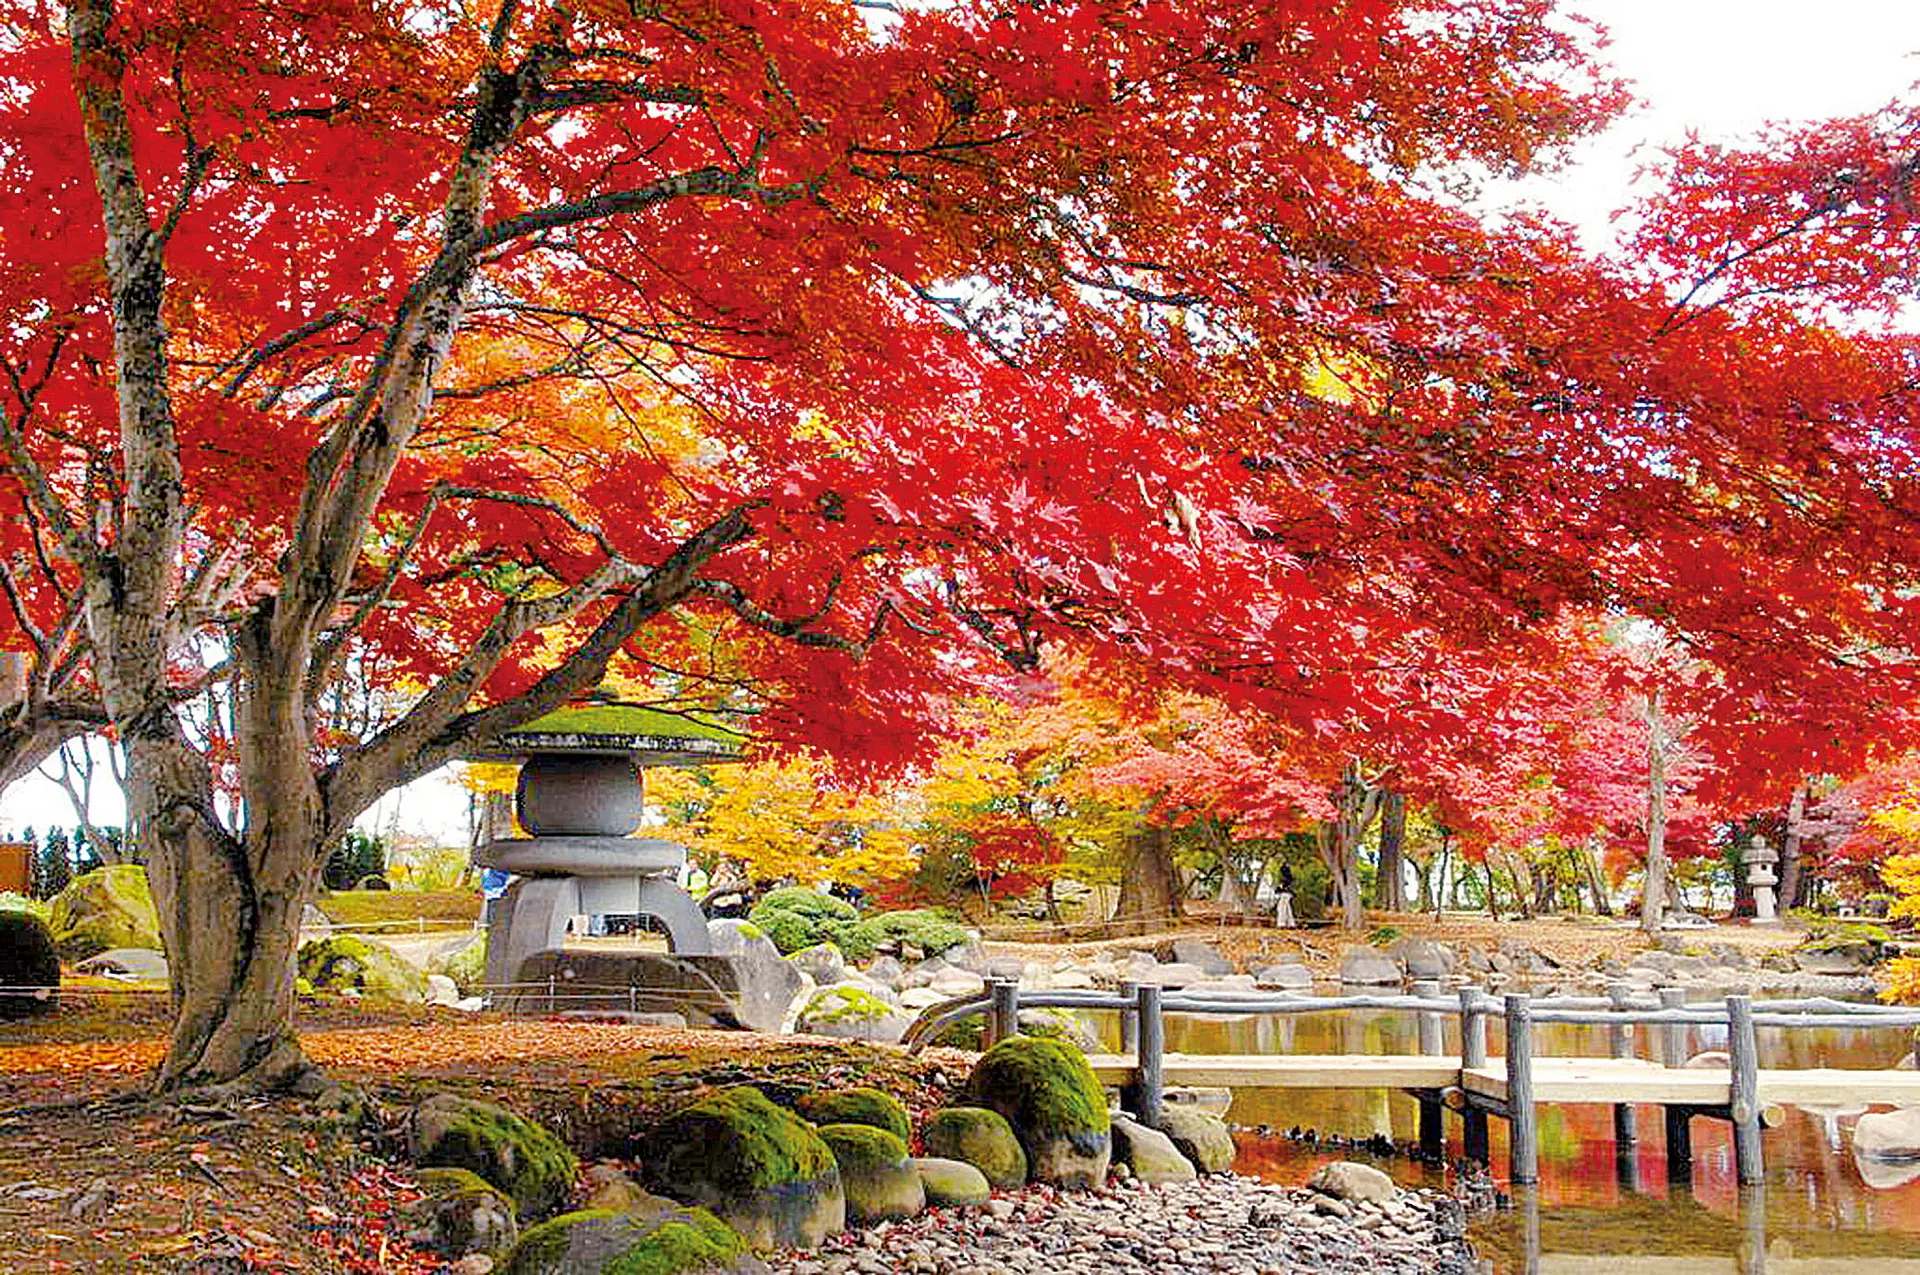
x=1220, y=1225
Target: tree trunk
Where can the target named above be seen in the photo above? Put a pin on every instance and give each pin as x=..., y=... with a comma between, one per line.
x=1392, y=891
x=1793, y=873
x=1149, y=884
x=1653, y=895
x=1357, y=802
x=1596, y=882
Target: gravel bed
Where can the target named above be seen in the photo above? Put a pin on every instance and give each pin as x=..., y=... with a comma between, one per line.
x=1219, y=1225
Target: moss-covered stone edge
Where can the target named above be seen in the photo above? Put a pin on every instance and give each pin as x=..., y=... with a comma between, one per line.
x=1056, y=1088
x=860, y=1105
x=685, y=1240
x=754, y=1144
x=861, y=1148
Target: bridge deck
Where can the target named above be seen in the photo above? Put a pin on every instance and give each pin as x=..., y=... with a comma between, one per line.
x=1558, y=1080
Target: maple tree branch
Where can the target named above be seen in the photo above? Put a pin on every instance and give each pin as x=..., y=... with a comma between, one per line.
x=798, y=631
x=439, y=728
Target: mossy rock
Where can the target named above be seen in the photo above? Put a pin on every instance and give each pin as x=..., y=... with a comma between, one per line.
x=760, y=1168
x=344, y=962
x=879, y=1179
x=28, y=959
x=460, y=1212
x=952, y=1183
x=521, y=1158
x=981, y=1138
x=601, y=1242
x=857, y=1106
x=1057, y=1108
x=107, y=908
x=852, y=1013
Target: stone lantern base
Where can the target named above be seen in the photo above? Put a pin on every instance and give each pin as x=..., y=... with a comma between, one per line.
x=565, y=877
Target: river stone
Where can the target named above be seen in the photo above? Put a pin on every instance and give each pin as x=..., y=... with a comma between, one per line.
x=862, y=1105
x=1149, y=1153
x=970, y=955
x=851, y=1013
x=1211, y=962
x=1201, y=1137
x=1290, y=976
x=1710, y=1060
x=140, y=963
x=763, y=1170
x=880, y=1181
x=981, y=1138
x=953, y=981
x=100, y=910
x=592, y=1242
x=1365, y=966
x=1175, y=974
x=349, y=963
x=1057, y=1108
x=522, y=1159
x=952, y=1183
x=1889, y=1135
x=886, y=971
x=460, y=1212
x=1346, y=1180
x=609, y=1190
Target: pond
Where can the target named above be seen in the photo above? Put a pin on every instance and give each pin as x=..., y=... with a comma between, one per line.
x=1592, y=1210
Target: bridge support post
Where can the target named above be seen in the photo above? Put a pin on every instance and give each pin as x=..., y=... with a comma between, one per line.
x=1626, y=1134
x=1473, y=1053
x=1523, y=1132
x=1673, y=1036
x=1129, y=1020
x=1433, y=1134
x=1679, y=1143
x=1743, y=1105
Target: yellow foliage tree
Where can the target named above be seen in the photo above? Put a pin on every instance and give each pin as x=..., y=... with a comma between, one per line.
x=784, y=818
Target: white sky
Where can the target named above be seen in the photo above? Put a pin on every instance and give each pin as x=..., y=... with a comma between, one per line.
x=1718, y=67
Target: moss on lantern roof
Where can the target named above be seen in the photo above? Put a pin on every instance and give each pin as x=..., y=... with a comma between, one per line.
x=657, y=737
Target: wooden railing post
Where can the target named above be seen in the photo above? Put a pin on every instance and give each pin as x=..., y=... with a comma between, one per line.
x=1473, y=1053
x=1003, y=1016
x=1743, y=1105
x=1673, y=1036
x=1433, y=1136
x=1129, y=1020
x=1152, y=1055
x=1522, y=1129
x=1620, y=1045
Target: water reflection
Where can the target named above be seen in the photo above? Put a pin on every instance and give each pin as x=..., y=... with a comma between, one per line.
x=1604, y=1205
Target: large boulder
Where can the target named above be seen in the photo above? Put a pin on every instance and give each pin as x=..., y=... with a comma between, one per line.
x=28, y=960
x=823, y=963
x=1061, y=1024
x=952, y=1183
x=460, y=1212
x=106, y=908
x=851, y=1013
x=705, y=989
x=1201, y=1136
x=348, y=963
x=1057, y=1108
x=981, y=1138
x=760, y=1168
x=863, y=1105
x=599, y=1242
x=1290, y=976
x=1364, y=966
x=534, y=1168
x=766, y=983
x=879, y=1179
x=1889, y=1135
x=1423, y=958
x=1149, y=1153
x=1211, y=962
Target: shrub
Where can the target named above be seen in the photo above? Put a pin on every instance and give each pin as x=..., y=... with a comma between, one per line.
x=27, y=960
x=798, y=916
x=927, y=930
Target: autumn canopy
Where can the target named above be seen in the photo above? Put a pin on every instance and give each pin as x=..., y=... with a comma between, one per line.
x=829, y=358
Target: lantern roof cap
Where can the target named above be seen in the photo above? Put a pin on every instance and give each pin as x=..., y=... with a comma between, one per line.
x=651, y=736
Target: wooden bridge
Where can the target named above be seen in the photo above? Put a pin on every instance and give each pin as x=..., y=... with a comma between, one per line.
x=1469, y=1083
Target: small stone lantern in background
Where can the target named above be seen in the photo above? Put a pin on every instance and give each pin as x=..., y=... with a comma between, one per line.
x=580, y=796
x=1759, y=861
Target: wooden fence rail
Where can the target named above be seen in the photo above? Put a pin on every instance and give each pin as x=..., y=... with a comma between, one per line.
x=1742, y=1093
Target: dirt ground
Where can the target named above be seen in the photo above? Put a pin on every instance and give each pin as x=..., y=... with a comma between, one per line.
x=97, y=1177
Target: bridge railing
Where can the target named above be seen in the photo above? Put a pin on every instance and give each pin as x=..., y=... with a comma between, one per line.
x=1143, y=1010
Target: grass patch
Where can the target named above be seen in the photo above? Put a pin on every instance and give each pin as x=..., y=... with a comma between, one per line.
x=383, y=907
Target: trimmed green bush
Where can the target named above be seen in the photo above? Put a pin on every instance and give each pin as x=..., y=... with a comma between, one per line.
x=28, y=959
x=798, y=916
x=927, y=930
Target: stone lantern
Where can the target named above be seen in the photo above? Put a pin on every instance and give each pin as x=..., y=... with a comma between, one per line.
x=580, y=796
x=1760, y=858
